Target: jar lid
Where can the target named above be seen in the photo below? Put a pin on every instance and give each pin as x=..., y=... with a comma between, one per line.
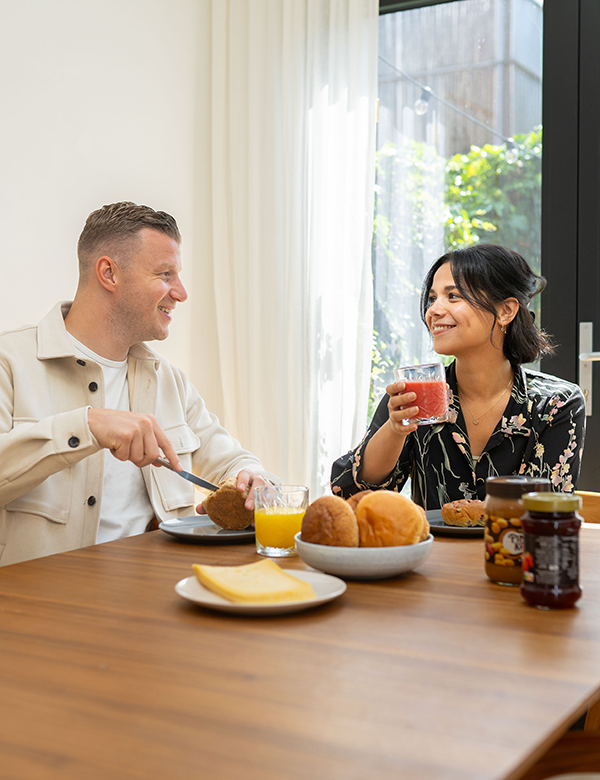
x=515, y=486
x=552, y=502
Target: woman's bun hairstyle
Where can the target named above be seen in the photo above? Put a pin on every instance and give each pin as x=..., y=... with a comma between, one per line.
x=486, y=275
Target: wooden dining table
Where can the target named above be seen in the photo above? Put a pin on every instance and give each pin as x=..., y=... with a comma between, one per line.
x=106, y=672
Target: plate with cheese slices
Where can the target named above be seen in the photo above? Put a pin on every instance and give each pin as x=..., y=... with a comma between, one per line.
x=261, y=588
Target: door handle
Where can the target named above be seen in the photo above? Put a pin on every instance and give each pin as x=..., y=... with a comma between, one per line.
x=586, y=358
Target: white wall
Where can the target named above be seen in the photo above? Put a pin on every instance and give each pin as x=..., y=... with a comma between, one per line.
x=97, y=101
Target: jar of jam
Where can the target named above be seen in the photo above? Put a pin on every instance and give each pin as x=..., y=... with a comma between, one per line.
x=551, y=559
x=503, y=535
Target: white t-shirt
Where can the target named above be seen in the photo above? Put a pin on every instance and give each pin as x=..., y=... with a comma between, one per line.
x=125, y=509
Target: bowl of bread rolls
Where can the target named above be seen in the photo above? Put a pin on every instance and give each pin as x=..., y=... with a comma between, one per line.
x=372, y=535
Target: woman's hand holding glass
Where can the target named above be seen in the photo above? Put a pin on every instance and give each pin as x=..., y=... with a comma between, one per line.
x=401, y=407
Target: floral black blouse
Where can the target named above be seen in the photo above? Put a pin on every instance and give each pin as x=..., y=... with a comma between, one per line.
x=540, y=434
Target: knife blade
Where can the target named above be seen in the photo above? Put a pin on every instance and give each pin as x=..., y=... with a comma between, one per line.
x=203, y=483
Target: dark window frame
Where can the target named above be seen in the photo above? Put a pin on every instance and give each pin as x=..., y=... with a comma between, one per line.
x=560, y=183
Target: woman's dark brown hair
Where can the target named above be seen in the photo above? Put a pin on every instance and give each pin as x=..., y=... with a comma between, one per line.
x=486, y=275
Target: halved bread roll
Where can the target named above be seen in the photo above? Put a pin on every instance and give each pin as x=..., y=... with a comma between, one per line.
x=225, y=506
x=466, y=513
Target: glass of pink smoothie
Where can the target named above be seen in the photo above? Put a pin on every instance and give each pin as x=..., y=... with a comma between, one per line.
x=429, y=383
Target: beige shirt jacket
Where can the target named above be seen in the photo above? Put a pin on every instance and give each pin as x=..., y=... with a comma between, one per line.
x=51, y=466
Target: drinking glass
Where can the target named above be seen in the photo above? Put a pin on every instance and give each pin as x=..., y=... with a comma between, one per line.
x=278, y=513
x=429, y=383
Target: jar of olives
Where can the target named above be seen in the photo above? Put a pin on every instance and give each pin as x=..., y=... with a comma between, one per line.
x=503, y=535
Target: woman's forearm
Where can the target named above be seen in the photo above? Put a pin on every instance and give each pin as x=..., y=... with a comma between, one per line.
x=381, y=454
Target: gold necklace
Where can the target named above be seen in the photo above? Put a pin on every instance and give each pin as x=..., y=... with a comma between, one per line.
x=476, y=419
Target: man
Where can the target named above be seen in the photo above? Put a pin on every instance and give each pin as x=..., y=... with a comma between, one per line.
x=86, y=407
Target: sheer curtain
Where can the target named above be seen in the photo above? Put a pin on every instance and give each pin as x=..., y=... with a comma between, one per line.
x=293, y=104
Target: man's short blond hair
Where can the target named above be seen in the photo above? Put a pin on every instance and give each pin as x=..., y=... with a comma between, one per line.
x=113, y=230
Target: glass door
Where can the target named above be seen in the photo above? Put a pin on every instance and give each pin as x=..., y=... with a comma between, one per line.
x=459, y=155
x=501, y=41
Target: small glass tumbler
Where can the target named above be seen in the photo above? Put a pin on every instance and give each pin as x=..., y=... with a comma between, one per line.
x=429, y=383
x=278, y=513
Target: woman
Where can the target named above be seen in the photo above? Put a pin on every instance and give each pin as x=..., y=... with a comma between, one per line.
x=503, y=419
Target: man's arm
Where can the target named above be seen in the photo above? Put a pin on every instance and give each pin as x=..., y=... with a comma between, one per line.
x=130, y=436
x=30, y=452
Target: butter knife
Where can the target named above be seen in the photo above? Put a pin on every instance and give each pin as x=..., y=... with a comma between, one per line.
x=203, y=483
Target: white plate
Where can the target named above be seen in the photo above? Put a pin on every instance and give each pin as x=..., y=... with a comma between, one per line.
x=327, y=588
x=364, y=563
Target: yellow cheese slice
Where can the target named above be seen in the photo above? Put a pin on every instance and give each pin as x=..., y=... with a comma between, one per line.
x=262, y=582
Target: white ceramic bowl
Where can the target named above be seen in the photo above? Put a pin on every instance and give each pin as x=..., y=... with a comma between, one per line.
x=365, y=563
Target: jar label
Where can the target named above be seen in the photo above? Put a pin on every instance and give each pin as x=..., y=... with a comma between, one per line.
x=513, y=541
x=504, y=543
x=551, y=560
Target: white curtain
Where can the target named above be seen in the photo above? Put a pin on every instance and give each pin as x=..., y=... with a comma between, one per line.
x=293, y=108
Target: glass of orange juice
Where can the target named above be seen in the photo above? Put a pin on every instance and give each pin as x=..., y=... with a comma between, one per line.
x=278, y=513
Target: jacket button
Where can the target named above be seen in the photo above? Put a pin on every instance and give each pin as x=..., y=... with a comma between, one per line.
x=74, y=441
x=92, y=387
x=81, y=362
x=91, y=500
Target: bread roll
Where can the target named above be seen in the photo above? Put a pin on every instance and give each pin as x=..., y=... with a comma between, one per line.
x=466, y=513
x=353, y=500
x=225, y=506
x=388, y=519
x=330, y=520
